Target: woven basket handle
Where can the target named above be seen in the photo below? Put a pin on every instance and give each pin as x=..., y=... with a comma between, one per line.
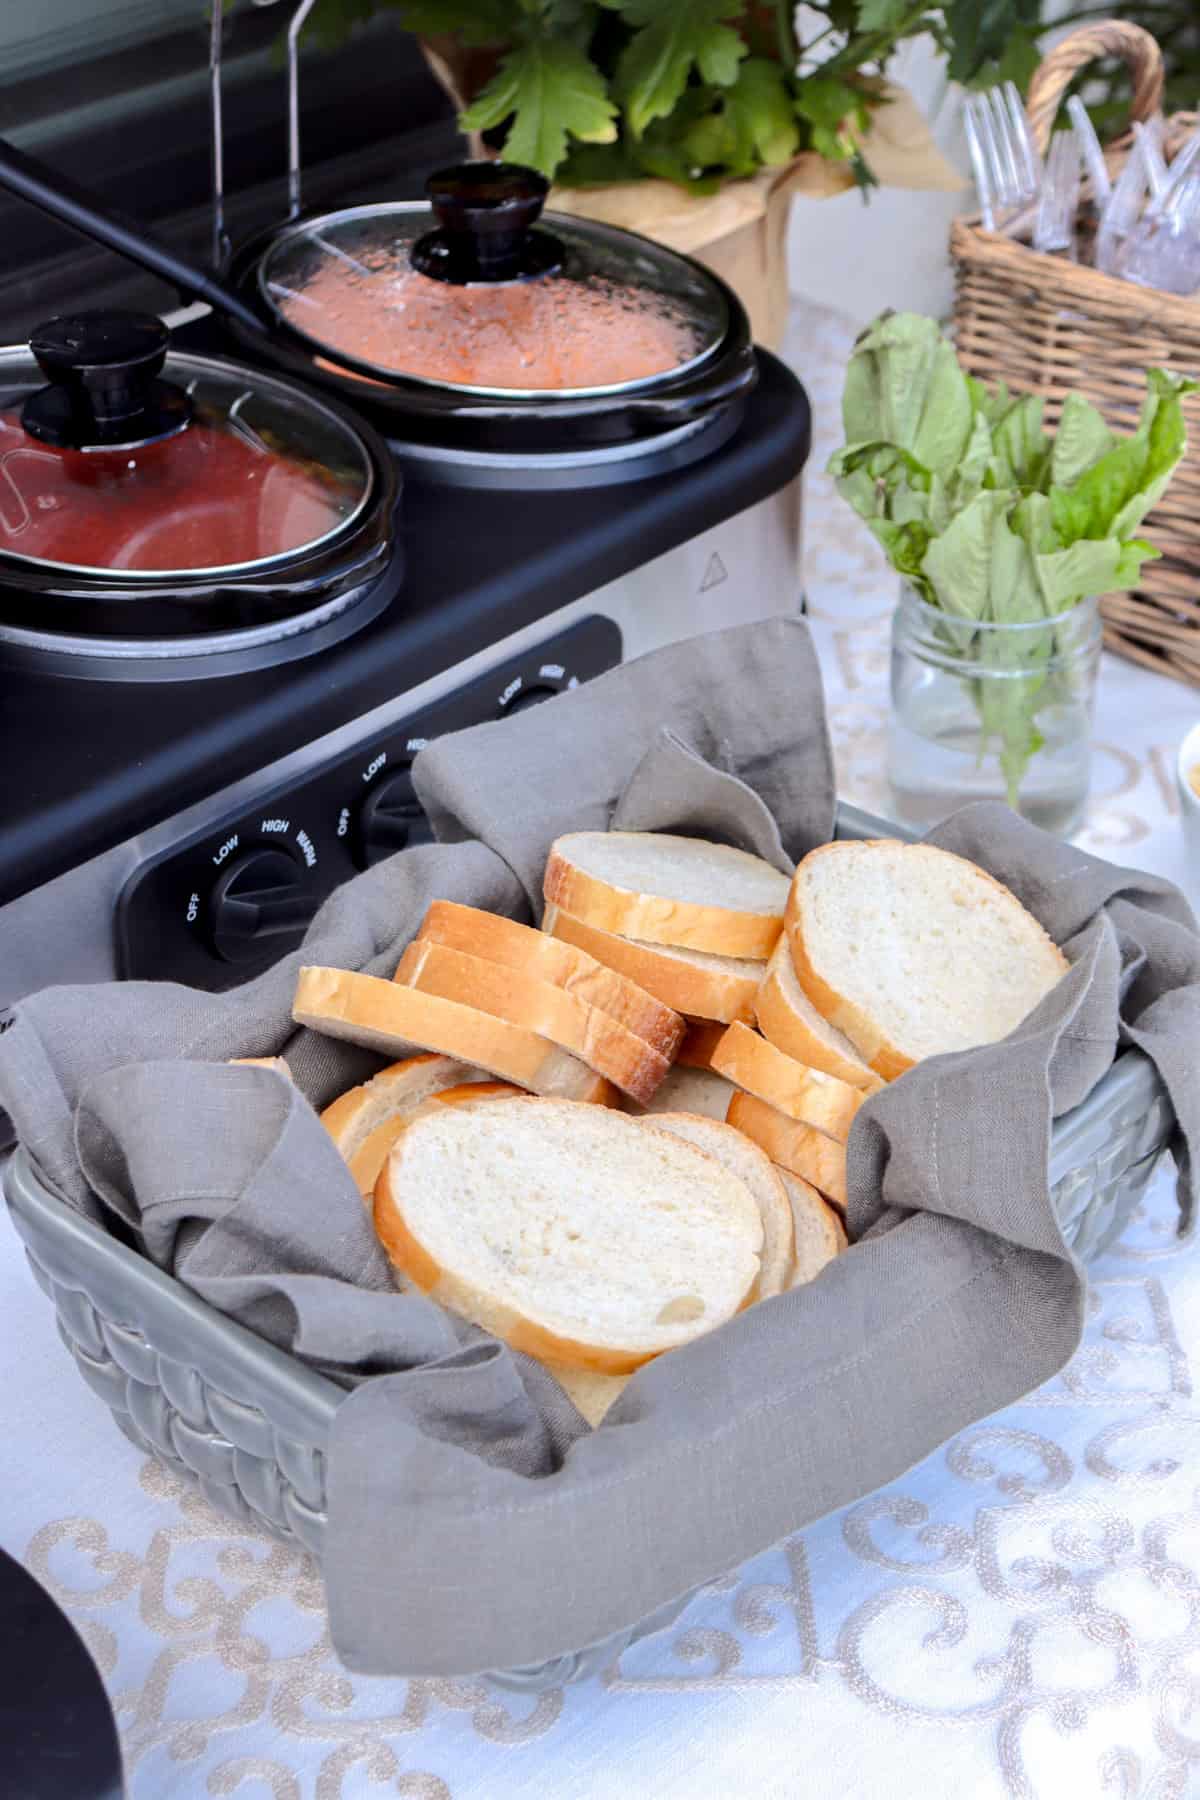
x=1107, y=37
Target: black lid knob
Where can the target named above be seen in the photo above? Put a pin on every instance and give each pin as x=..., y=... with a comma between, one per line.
x=486, y=212
x=105, y=393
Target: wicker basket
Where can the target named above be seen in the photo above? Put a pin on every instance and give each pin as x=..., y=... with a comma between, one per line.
x=251, y=1424
x=1049, y=326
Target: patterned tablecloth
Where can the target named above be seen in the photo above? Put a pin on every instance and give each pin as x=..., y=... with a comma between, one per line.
x=1018, y=1616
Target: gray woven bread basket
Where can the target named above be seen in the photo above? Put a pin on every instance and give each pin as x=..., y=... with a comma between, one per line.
x=251, y=1424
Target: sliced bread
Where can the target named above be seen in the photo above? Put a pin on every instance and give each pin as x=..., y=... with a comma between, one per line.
x=384, y=1016
x=787, y=1017
x=690, y=981
x=668, y=890
x=699, y=1041
x=753, y=1166
x=912, y=952
x=365, y=1121
x=750, y=1062
x=263, y=1062
x=595, y=1037
x=819, y=1233
x=544, y=958
x=569, y=1231
x=590, y=1394
x=801, y=1149
x=692, y=1091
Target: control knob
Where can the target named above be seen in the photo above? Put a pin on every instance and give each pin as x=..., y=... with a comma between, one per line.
x=390, y=818
x=259, y=906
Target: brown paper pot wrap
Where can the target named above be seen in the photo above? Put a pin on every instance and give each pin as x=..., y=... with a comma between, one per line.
x=740, y=232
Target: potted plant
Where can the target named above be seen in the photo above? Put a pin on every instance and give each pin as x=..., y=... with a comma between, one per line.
x=1003, y=536
x=692, y=121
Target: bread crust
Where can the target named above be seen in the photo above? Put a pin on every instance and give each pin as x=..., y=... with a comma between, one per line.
x=595, y=1037
x=552, y=959
x=699, y=1041
x=807, y=1095
x=382, y=1014
x=655, y=918
x=701, y=993
x=803, y=1151
x=784, y=1027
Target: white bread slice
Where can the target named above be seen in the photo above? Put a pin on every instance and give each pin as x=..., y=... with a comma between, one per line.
x=365, y=1121
x=692, y=1091
x=569, y=1231
x=668, y=890
x=263, y=1062
x=804, y=1151
x=753, y=1166
x=543, y=958
x=591, y=1394
x=824, y=1102
x=699, y=1041
x=384, y=1016
x=913, y=952
x=789, y=1020
x=819, y=1233
x=595, y=1037
x=690, y=981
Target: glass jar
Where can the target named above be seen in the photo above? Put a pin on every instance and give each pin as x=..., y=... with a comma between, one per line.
x=992, y=712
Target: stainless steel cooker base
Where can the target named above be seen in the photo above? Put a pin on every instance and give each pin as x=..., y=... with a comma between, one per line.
x=195, y=658
x=598, y=466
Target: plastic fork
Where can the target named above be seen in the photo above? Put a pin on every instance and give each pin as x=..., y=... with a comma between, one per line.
x=1164, y=249
x=1123, y=212
x=1058, y=202
x=1089, y=146
x=1008, y=169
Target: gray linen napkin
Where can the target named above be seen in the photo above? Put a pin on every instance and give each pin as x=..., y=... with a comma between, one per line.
x=473, y=1522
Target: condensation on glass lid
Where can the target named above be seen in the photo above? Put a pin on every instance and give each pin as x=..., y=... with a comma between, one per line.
x=553, y=333
x=209, y=498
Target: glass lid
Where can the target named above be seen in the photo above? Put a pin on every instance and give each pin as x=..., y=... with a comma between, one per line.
x=136, y=462
x=466, y=294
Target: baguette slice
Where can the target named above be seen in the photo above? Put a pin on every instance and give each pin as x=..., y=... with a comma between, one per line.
x=595, y=1037
x=365, y=1121
x=822, y=1101
x=693, y=1091
x=788, y=1019
x=591, y=1394
x=751, y=1165
x=820, y=1235
x=668, y=890
x=521, y=947
x=699, y=1041
x=798, y=1148
x=689, y=981
x=384, y=1016
x=913, y=952
x=263, y=1062
x=569, y=1231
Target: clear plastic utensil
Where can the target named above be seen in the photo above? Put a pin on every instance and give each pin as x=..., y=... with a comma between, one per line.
x=1164, y=250
x=1008, y=169
x=1122, y=212
x=1058, y=202
x=1093, y=155
x=1149, y=137
x=1181, y=167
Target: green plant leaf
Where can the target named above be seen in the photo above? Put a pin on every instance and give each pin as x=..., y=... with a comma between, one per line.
x=882, y=15
x=476, y=23
x=760, y=111
x=1113, y=496
x=551, y=92
x=1020, y=448
x=671, y=41
x=1081, y=439
x=904, y=386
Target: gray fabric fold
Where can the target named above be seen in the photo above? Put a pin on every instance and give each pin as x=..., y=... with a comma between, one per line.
x=474, y=1522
